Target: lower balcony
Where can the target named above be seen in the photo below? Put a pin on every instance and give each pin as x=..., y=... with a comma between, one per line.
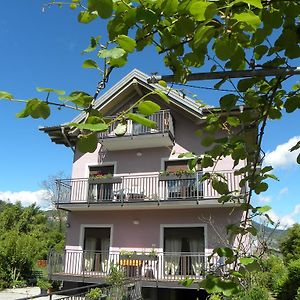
x=149, y=268
x=141, y=190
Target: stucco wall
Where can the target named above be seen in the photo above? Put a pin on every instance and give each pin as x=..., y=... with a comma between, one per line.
x=150, y=159
x=146, y=234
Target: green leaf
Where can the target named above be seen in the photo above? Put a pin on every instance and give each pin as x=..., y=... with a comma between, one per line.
x=225, y=47
x=103, y=7
x=187, y=281
x=203, y=11
x=261, y=187
x=114, y=53
x=121, y=129
x=214, y=284
x=148, y=108
x=207, y=161
x=169, y=7
x=233, y=121
x=87, y=143
x=86, y=17
x=36, y=109
x=126, y=43
x=292, y=103
x=208, y=141
x=260, y=51
x=246, y=260
x=99, y=127
x=79, y=98
x=224, y=252
x=162, y=95
x=93, y=45
x=6, y=95
x=118, y=62
x=90, y=64
x=49, y=90
x=141, y=120
x=162, y=83
x=255, y=3
x=249, y=18
x=220, y=186
x=263, y=209
x=228, y=102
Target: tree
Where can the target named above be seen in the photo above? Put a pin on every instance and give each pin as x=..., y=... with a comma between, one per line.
x=193, y=35
x=290, y=245
x=49, y=185
x=25, y=236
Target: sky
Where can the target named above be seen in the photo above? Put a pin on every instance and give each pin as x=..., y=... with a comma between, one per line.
x=43, y=49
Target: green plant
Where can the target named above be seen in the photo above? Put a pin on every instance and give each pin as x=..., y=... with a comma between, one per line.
x=18, y=283
x=44, y=283
x=127, y=253
x=276, y=272
x=253, y=293
x=116, y=276
x=153, y=253
x=94, y=294
x=298, y=294
x=290, y=288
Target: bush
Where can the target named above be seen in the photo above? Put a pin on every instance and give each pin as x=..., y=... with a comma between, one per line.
x=94, y=294
x=253, y=293
x=276, y=272
x=291, y=286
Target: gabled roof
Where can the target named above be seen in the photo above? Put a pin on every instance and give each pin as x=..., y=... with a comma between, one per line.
x=135, y=81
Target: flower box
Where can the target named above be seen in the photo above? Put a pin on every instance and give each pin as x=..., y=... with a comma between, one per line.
x=164, y=177
x=102, y=180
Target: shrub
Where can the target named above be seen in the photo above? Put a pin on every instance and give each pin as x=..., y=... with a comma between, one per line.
x=276, y=272
x=291, y=286
x=253, y=293
x=94, y=294
x=298, y=294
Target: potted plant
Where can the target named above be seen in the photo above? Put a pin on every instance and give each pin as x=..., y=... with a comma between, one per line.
x=44, y=284
x=176, y=175
x=104, y=178
x=94, y=294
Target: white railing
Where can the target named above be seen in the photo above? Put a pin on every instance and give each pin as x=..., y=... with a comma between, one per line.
x=165, y=266
x=140, y=188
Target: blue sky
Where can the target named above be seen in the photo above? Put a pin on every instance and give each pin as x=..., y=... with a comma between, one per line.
x=44, y=49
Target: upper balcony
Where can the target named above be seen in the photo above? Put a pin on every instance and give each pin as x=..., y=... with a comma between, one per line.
x=139, y=136
x=142, y=190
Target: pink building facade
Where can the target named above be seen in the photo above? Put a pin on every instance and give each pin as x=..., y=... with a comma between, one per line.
x=158, y=229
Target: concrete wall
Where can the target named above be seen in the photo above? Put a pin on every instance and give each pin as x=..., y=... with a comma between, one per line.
x=149, y=159
x=142, y=228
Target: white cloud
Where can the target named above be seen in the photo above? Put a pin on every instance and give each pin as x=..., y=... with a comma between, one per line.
x=281, y=157
x=264, y=199
x=27, y=198
x=287, y=220
x=283, y=191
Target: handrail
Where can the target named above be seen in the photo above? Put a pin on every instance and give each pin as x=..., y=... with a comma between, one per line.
x=150, y=187
x=62, y=292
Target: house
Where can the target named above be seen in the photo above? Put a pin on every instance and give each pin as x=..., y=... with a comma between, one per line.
x=133, y=202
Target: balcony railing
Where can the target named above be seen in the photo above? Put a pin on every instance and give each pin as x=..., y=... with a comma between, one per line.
x=163, y=120
x=165, y=266
x=141, y=188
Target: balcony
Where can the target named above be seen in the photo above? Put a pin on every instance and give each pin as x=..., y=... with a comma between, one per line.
x=92, y=266
x=141, y=190
x=139, y=136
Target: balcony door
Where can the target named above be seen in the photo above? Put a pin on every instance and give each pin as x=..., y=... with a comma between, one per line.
x=184, y=251
x=100, y=191
x=182, y=187
x=96, y=249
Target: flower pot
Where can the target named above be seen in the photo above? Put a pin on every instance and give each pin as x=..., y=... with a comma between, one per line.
x=105, y=180
x=163, y=177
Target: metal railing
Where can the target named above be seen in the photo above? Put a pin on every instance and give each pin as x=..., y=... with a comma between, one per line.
x=167, y=266
x=130, y=290
x=140, y=188
x=163, y=120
